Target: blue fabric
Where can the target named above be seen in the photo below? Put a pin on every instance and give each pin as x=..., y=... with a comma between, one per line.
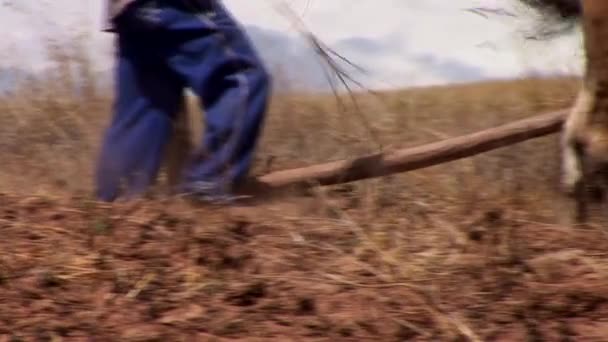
x=163, y=48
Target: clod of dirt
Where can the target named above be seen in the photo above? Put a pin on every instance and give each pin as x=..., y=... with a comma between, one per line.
x=367, y=326
x=142, y=332
x=556, y=266
x=346, y=331
x=234, y=327
x=10, y=214
x=47, y=279
x=5, y=338
x=318, y=327
x=182, y=314
x=477, y=233
x=479, y=227
x=167, y=220
x=233, y=262
x=101, y=226
x=493, y=216
x=306, y=306
x=405, y=333
x=250, y=295
x=240, y=229
x=57, y=216
x=32, y=204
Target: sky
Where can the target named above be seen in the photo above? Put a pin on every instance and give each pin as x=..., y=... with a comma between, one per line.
x=398, y=43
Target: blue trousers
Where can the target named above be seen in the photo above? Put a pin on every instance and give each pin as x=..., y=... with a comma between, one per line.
x=163, y=48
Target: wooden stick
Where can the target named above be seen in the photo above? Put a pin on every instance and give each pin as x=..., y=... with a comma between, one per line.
x=407, y=159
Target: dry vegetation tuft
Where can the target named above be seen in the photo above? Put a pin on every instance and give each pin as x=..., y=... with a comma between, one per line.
x=472, y=250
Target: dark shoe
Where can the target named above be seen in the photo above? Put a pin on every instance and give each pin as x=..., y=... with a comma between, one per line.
x=210, y=193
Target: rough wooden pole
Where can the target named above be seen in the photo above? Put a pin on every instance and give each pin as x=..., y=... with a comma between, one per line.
x=407, y=159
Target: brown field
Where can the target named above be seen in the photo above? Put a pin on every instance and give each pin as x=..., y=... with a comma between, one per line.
x=474, y=250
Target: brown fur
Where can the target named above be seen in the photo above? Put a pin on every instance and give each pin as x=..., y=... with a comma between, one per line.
x=585, y=137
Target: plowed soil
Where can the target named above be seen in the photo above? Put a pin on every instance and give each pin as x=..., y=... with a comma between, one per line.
x=72, y=270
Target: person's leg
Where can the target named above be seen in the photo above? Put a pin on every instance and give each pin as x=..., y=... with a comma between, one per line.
x=147, y=95
x=219, y=63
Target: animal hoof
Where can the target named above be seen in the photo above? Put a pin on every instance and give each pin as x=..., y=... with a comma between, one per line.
x=569, y=188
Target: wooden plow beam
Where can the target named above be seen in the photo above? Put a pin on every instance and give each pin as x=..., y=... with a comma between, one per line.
x=408, y=159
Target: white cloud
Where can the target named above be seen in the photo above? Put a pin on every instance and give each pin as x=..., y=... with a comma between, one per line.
x=401, y=42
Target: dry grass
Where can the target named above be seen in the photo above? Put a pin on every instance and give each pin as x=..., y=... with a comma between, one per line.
x=51, y=134
x=469, y=250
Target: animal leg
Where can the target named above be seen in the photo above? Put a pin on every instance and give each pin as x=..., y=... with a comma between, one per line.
x=574, y=172
x=582, y=201
x=571, y=157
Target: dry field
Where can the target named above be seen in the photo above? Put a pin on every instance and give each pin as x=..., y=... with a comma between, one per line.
x=475, y=250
